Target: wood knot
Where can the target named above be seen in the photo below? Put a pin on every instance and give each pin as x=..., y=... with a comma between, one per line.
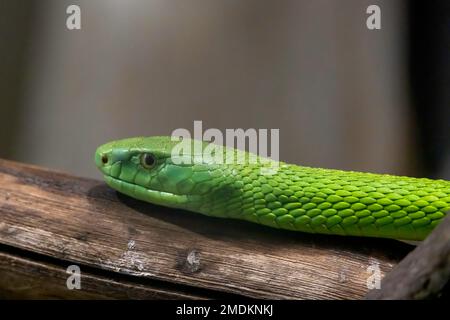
x=131, y=245
x=189, y=262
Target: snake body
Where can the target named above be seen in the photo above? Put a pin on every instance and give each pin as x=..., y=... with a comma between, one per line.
x=297, y=198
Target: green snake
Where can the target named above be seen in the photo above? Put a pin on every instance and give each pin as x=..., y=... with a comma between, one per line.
x=293, y=197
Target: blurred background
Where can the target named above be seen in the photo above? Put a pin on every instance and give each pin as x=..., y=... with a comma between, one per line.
x=342, y=96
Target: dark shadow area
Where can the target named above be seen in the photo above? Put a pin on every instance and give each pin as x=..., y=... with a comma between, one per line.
x=429, y=66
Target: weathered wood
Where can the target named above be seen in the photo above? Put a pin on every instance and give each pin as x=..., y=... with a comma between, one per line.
x=24, y=278
x=82, y=221
x=423, y=273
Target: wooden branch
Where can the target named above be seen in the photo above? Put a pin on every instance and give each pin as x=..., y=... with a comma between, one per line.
x=81, y=221
x=423, y=273
x=24, y=278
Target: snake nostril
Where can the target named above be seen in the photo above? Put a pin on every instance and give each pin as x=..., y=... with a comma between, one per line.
x=104, y=159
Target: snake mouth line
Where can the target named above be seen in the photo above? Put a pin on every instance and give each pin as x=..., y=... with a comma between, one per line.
x=144, y=194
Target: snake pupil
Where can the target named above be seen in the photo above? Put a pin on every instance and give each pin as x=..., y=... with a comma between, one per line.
x=148, y=160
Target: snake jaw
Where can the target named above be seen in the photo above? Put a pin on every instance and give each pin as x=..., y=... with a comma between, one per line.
x=144, y=194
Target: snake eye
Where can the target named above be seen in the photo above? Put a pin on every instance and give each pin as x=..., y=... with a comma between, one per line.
x=148, y=160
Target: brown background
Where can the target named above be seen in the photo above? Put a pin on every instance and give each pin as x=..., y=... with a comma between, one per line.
x=337, y=91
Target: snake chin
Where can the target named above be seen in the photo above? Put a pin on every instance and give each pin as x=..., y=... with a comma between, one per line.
x=148, y=195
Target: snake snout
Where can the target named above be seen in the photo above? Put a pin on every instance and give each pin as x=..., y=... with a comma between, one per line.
x=109, y=157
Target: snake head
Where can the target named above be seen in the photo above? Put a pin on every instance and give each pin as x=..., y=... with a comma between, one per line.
x=147, y=168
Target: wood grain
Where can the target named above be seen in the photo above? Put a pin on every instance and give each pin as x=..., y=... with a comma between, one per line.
x=25, y=278
x=82, y=221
